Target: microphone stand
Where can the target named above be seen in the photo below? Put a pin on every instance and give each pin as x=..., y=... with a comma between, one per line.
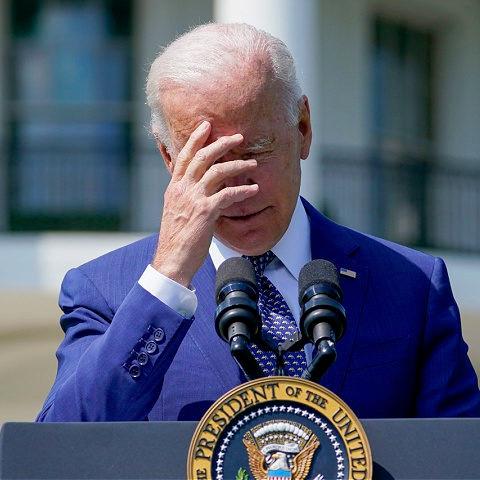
x=291, y=344
x=323, y=359
x=234, y=322
x=243, y=356
x=321, y=362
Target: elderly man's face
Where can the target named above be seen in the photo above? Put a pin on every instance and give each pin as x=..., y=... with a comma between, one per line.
x=249, y=107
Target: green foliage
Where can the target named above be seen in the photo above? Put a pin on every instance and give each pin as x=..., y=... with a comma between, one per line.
x=242, y=474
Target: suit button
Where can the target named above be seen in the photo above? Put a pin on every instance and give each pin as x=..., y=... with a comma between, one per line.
x=134, y=371
x=158, y=335
x=150, y=347
x=142, y=358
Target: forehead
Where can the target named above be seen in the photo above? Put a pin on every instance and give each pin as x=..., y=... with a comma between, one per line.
x=252, y=112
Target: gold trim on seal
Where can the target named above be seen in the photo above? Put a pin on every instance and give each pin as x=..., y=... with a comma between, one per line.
x=273, y=389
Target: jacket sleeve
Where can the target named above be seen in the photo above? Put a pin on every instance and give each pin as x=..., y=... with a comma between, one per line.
x=111, y=364
x=448, y=385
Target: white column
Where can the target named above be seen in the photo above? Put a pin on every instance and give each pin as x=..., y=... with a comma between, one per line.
x=297, y=23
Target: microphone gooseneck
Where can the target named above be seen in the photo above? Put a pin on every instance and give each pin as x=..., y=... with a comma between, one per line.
x=237, y=320
x=322, y=316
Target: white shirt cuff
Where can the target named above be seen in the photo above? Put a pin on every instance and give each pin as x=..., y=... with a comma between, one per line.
x=176, y=296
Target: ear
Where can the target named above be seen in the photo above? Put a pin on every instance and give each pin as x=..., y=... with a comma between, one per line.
x=167, y=158
x=304, y=127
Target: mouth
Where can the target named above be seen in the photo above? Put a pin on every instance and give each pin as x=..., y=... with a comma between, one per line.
x=245, y=216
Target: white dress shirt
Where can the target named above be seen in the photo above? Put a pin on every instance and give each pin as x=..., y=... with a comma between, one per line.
x=292, y=252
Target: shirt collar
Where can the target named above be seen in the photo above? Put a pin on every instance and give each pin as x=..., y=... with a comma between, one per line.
x=293, y=249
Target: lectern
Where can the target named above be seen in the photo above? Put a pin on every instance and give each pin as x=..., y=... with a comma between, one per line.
x=402, y=449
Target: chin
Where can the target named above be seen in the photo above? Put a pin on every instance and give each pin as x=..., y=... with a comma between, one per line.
x=252, y=234
x=249, y=242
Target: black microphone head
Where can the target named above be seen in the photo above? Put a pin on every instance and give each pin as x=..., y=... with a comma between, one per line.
x=232, y=270
x=318, y=272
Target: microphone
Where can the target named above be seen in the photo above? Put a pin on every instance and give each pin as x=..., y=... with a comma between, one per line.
x=322, y=317
x=237, y=320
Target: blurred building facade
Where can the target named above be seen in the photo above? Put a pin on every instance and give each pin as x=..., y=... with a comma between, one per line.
x=393, y=88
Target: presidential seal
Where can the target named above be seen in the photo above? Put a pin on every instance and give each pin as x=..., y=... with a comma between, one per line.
x=279, y=428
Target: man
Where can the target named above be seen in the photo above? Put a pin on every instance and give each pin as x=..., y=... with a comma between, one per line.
x=232, y=127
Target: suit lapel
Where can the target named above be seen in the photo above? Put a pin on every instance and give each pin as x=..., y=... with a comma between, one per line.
x=328, y=241
x=335, y=243
x=202, y=332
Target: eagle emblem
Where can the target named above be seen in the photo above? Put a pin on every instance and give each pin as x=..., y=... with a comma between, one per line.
x=280, y=450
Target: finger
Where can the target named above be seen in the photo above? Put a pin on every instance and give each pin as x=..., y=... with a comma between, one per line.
x=218, y=173
x=230, y=195
x=194, y=143
x=207, y=156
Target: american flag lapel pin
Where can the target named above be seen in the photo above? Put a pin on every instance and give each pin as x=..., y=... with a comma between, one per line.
x=348, y=273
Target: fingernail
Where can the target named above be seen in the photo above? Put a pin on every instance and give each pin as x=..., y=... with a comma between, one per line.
x=204, y=125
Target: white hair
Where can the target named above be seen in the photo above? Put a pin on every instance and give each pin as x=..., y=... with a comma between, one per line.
x=205, y=53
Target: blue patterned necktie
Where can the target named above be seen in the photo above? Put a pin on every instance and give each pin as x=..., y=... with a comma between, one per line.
x=278, y=323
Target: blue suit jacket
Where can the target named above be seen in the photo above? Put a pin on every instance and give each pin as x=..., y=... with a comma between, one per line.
x=402, y=354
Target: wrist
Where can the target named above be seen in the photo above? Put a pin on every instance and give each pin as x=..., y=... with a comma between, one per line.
x=173, y=272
